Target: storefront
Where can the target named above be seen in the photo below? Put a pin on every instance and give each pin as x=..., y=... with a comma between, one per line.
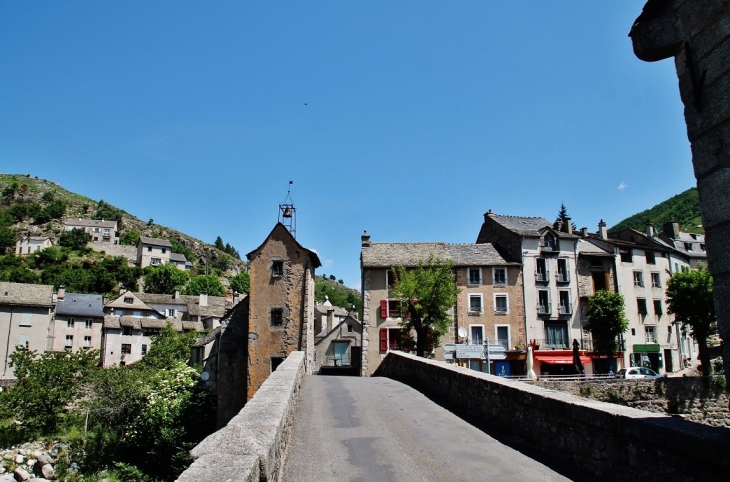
x=647, y=355
x=558, y=362
x=601, y=365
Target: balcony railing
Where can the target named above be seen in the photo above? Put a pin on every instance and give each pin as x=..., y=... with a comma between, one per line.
x=542, y=276
x=588, y=345
x=563, y=277
x=504, y=342
x=565, y=309
x=543, y=309
x=337, y=361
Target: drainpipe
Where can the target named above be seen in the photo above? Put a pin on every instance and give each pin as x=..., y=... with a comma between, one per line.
x=7, y=342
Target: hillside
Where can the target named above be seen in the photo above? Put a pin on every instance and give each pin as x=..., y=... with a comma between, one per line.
x=683, y=208
x=38, y=207
x=338, y=294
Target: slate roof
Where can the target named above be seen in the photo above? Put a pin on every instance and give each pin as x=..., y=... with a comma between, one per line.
x=138, y=322
x=210, y=337
x=313, y=254
x=588, y=248
x=35, y=238
x=323, y=309
x=216, y=304
x=90, y=223
x=137, y=303
x=24, y=294
x=78, y=304
x=155, y=242
x=178, y=257
x=526, y=226
x=410, y=254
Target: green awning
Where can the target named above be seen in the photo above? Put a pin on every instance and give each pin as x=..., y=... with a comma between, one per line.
x=647, y=348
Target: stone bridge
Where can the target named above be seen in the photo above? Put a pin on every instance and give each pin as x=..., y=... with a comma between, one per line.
x=427, y=420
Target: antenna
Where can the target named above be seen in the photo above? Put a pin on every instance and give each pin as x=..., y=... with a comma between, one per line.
x=288, y=213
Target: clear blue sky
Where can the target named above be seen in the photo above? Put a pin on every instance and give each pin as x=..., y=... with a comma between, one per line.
x=406, y=118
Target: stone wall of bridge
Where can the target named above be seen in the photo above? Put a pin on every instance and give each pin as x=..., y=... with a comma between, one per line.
x=252, y=446
x=608, y=441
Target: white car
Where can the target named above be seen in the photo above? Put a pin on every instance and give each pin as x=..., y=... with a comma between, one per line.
x=637, y=372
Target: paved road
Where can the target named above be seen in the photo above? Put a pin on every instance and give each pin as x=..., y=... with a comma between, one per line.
x=377, y=429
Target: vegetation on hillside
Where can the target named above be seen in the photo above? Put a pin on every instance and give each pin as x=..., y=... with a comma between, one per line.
x=338, y=294
x=683, y=208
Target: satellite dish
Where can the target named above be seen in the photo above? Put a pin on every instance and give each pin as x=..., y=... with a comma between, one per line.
x=462, y=332
x=205, y=376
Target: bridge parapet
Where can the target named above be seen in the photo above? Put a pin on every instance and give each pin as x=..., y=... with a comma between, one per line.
x=608, y=441
x=253, y=444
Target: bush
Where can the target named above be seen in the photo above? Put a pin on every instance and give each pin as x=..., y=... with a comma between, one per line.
x=76, y=239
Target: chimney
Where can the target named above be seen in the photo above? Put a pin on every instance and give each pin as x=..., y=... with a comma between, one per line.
x=568, y=226
x=229, y=295
x=176, y=296
x=330, y=319
x=649, y=229
x=365, y=239
x=61, y=292
x=487, y=214
x=203, y=299
x=353, y=312
x=558, y=225
x=602, y=229
x=671, y=229
x=584, y=233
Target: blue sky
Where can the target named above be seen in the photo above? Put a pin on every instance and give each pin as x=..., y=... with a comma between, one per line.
x=406, y=118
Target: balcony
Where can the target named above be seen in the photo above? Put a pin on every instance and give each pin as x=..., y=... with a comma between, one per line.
x=557, y=343
x=565, y=309
x=543, y=309
x=563, y=277
x=504, y=342
x=337, y=360
x=542, y=276
x=587, y=344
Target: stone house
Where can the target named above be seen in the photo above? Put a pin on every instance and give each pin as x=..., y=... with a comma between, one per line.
x=489, y=307
x=327, y=316
x=26, y=316
x=100, y=231
x=691, y=245
x=337, y=350
x=548, y=253
x=153, y=251
x=31, y=244
x=79, y=321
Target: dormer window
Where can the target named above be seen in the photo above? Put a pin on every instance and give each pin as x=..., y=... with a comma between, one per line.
x=277, y=269
x=688, y=246
x=549, y=241
x=129, y=300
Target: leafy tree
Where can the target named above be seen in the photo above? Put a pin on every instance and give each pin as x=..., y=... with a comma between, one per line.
x=49, y=196
x=606, y=321
x=219, y=244
x=563, y=216
x=425, y=293
x=241, y=283
x=179, y=247
x=689, y=295
x=332, y=277
x=106, y=211
x=54, y=210
x=209, y=284
x=46, y=385
x=168, y=348
x=22, y=211
x=76, y=239
x=232, y=251
x=8, y=238
x=165, y=279
x=130, y=237
x=10, y=191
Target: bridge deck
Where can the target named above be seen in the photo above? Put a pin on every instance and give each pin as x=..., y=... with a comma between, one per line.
x=377, y=429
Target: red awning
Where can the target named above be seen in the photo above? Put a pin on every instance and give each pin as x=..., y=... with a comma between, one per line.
x=561, y=359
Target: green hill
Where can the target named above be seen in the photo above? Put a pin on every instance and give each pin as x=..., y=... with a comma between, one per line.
x=683, y=208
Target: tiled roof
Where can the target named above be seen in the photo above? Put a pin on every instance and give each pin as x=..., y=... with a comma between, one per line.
x=138, y=322
x=216, y=304
x=34, y=238
x=78, y=304
x=411, y=254
x=178, y=257
x=193, y=325
x=209, y=337
x=527, y=226
x=155, y=241
x=323, y=309
x=137, y=303
x=24, y=294
x=90, y=223
x=588, y=248
x=281, y=228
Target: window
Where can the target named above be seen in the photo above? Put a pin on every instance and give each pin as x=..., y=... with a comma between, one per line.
x=702, y=247
x=390, y=278
x=676, y=267
x=650, y=257
x=500, y=276
x=349, y=328
x=144, y=349
x=277, y=316
x=638, y=279
x=149, y=248
x=170, y=312
x=88, y=324
x=389, y=339
x=476, y=334
x=655, y=281
x=277, y=269
x=70, y=323
x=503, y=336
x=126, y=348
x=150, y=331
x=129, y=300
x=26, y=319
x=564, y=307
x=475, y=276
x=164, y=250
x=549, y=242
x=669, y=334
x=563, y=276
x=641, y=307
x=87, y=342
x=475, y=303
x=69, y=341
x=543, y=302
x=658, y=308
x=127, y=330
x=500, y=303
x=155, y=261
x=541, y=272
x=556, y=335
x=389, y=309
x=633, y=331
x=626, y=255
x=650, y=334
x=688, y=246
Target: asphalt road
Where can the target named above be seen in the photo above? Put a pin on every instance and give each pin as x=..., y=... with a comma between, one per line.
x=377, y=429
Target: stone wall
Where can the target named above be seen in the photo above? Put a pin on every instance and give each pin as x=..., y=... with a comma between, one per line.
x=252, y=447
x=699, y=399
x=129, y=252
x=607, y=441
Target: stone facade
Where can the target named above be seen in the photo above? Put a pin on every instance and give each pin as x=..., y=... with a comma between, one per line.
x=697, y=34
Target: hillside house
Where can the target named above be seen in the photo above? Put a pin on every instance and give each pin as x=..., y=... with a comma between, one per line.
x=100, y=231
x=153, y=251
x=79, y=321
x=31, y=244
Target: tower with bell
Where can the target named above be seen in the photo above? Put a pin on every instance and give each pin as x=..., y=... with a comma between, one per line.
x=288, y=213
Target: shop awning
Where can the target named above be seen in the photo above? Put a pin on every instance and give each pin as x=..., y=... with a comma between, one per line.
x=561, y=359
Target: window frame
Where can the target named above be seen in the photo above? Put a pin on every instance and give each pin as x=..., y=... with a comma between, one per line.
x=276, y=314
x=469, y=280
x=69, y=343
x=478, y=296
x=656, y=279
x=569, y=307
x=638, y=279
x=650, y=257
x=478, y=326
x=126, y=349
x=87, y=339
x=506, y=303
x=277, y=268
x=70, y=323
x=509, y=335
x=497, y=282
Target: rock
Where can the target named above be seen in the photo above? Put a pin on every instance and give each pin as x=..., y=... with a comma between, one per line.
x=44, y=458
x=73, y=468
x=21, y=474
x=19, y=459
x=48, y=472
x=31, y=462
x=7, y=478
x=8, y=456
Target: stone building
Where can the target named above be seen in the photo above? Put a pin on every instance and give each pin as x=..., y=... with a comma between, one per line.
x=489, y=306
x=100, y=231
x=153, y=251
x=31, y=244
x=78, y=322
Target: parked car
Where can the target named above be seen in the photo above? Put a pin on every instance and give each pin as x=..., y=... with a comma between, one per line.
x=637, y=372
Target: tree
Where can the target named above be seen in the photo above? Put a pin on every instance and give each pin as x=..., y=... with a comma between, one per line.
x=75, y=239
x=241, y=283
x=425, y=293
x=169, y=347
x=606, y=321
x=10, y=191
x=7, y=239
x=564, y=217
x=130, y=237
x=106, y=211
x=208, y=284
x=165, y=279
x=219, y=244
x=689, y=294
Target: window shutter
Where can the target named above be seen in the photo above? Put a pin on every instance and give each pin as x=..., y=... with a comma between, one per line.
x=383, y=339
x=383, y=309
